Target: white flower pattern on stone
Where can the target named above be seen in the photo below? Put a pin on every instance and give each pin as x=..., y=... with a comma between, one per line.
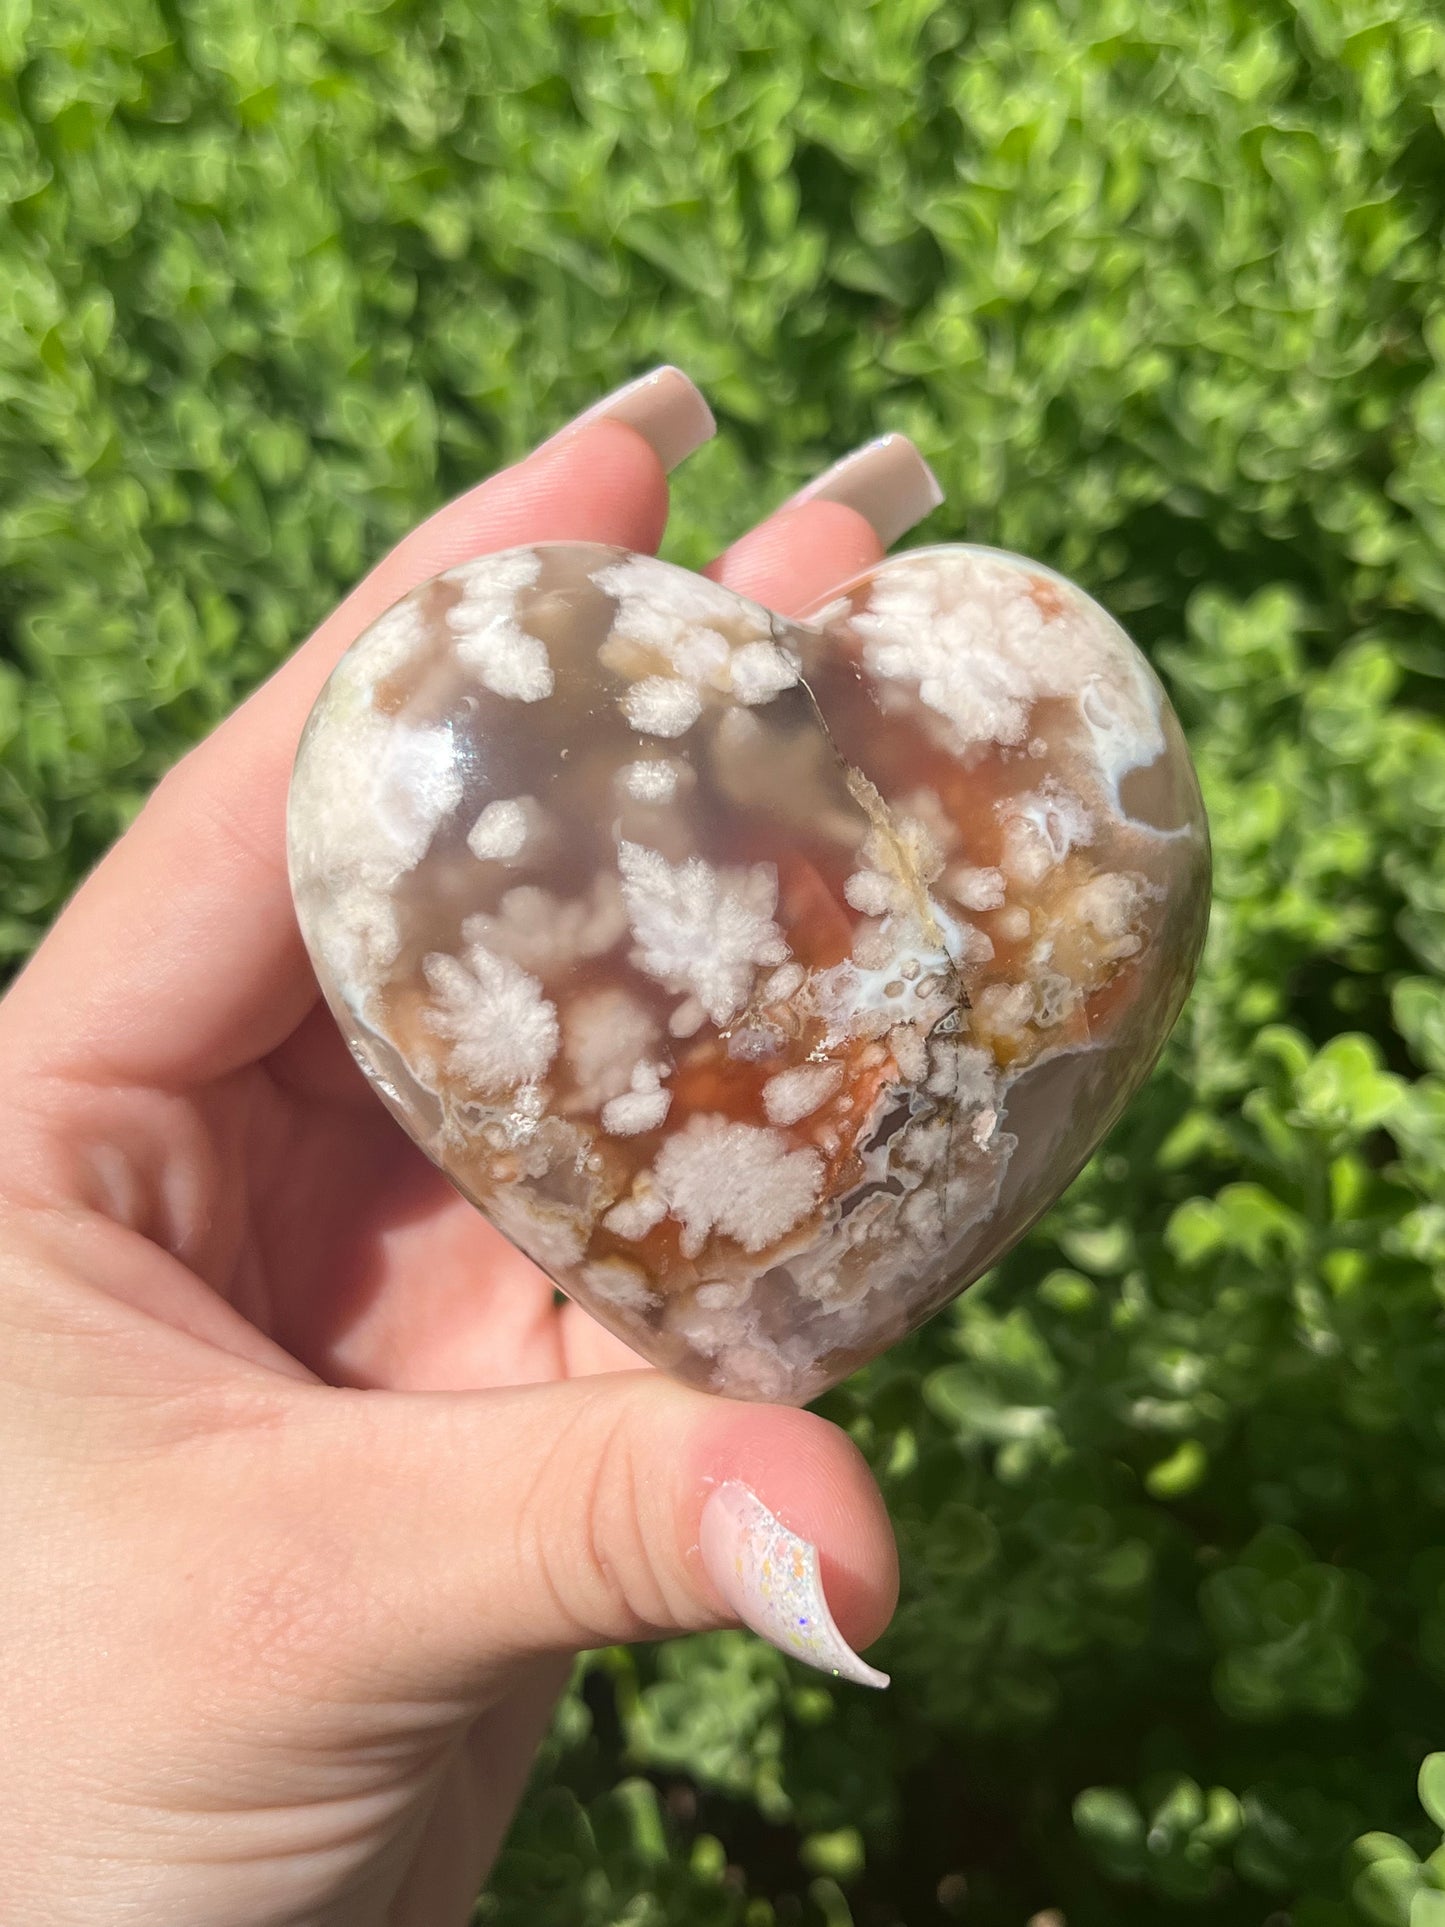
x=366, y=802
x=736, y=1179
x=705, y=634
x=507, y=658
x=501, y=831
x=701, y=929
x=661, y=706
x=982, y=645
x=502, y=1030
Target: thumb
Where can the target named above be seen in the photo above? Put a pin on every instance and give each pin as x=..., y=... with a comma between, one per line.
x=501, y=1525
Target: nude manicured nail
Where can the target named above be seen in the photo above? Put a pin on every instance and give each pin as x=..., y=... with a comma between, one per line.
x=886, y=481
x=769, y=1577
x=665, y=408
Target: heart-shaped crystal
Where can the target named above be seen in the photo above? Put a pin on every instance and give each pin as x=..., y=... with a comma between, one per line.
x=763, y=980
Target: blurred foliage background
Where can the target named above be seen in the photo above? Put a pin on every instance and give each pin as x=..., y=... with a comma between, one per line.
x=1157, y=285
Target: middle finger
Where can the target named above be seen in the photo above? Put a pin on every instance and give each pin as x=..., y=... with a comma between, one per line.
x=838, y=525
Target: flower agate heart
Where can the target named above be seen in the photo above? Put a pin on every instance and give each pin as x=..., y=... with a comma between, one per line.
x=762, y=980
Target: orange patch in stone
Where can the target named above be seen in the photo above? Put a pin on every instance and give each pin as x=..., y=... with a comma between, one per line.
x=1047, y=597
x=818, y=929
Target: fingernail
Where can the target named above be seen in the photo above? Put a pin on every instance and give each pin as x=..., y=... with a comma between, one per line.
x=769, y=1577
x=665, y=408
x=886, y=481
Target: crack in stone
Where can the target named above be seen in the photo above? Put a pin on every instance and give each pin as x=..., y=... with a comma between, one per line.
x=905, y=870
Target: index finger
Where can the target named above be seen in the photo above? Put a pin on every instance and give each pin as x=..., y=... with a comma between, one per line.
x=180, y=959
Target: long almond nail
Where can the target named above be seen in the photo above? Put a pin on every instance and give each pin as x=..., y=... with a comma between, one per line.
x=769, y=1577
x=664, y=406
x=887, y=481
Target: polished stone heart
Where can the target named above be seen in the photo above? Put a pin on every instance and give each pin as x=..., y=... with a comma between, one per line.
x=763, y=980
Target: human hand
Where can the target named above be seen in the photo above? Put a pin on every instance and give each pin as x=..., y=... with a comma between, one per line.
x=311, y=1488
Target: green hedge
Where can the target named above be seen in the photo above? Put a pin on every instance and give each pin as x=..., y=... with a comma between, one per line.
x=1159, y=285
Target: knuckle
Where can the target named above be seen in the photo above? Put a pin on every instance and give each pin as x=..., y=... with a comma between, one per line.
x=583, y=1532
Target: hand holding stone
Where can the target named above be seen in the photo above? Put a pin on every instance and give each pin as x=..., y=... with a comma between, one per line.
x=311, y=1487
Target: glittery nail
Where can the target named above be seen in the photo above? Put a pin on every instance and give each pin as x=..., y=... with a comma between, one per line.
x=770, y=1579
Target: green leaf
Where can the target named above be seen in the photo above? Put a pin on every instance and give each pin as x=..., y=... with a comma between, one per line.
x=1109, y=1821
x=1178, y=1474
x=838, y=1854
x=1385, y=1893
x=1432, y=1787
